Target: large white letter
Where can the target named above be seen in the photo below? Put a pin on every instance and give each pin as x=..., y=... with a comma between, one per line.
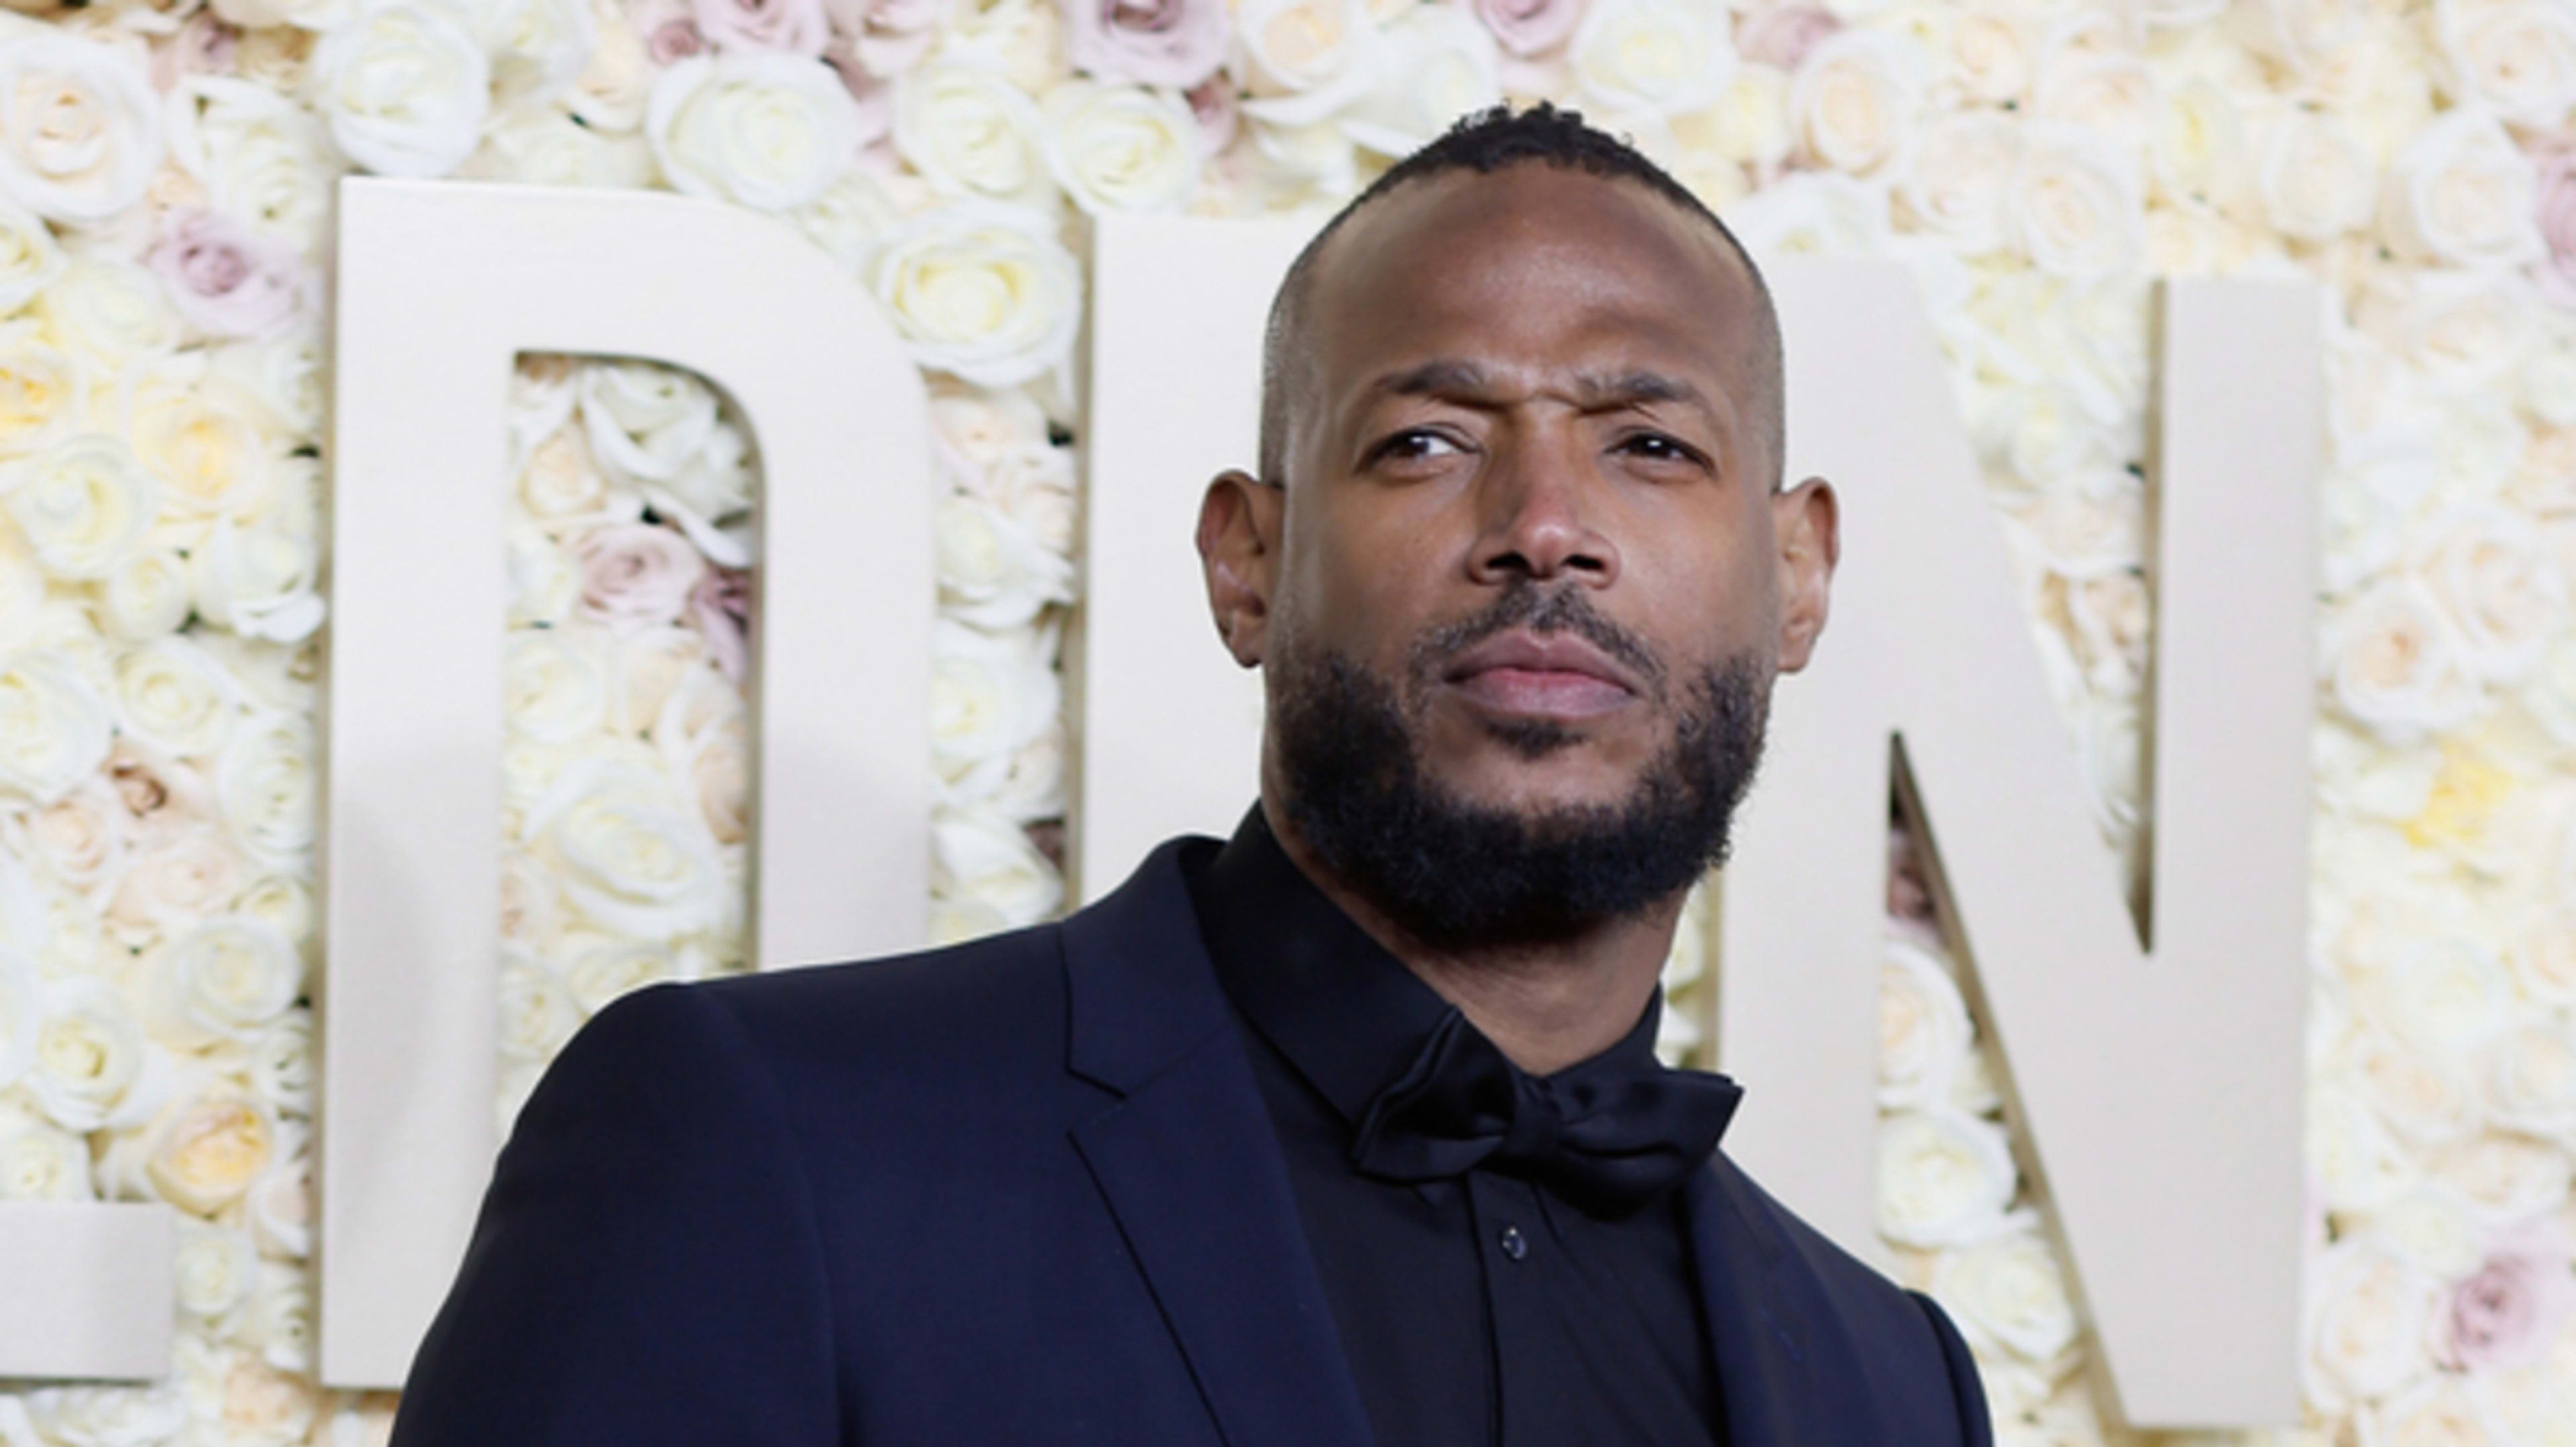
x=440, y=286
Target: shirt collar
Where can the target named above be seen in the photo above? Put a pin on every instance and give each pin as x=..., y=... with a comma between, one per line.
x=1347, y=1014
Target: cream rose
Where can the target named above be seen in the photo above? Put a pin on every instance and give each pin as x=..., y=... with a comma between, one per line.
x=2074, y=203
x=1944, y=1178
x=2367, y=1311
x=554, y=687
x=83, y=505
x=1854, y=100
x=2301, y=34
x=2443, y=993
x=228, y=980
x=764, y=129
x=1318, y=51
x=2463, y=331
x=216, y=1266
x=2396, y=666
x=210, y=1151
x=969, y=130
x=172, y=882
x=625, y=854
x=609, y=93
x=2427, y=1099
x=2549, y=695
x=1811, y=213
x=2316, y=175
x=93, y=1066
x=209, y=460
x=29, y=257
x=980, y=290
x=404, y=88
x=978, y=855
x=2461, y=194
x=1954, y=188
x=2515, y=57
x=2353, y=1159
x=1433, y=64
x=108, y=311
x=1923, y=1027
x=2505, y=1179
x=1990, y=54
x=173, y=695
x=258, y=581
x=54, y=728
x=262, y=158
x=2492, y=575
x=40, y=1163
x=43, y=391
x=78, y=841
x=1651, y=57
x=265, y=781
x=80, y=129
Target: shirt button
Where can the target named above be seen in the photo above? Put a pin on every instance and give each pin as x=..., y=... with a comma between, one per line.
x=1515, y=1245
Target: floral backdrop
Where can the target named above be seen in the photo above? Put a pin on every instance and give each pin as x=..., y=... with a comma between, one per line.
x=165, y=180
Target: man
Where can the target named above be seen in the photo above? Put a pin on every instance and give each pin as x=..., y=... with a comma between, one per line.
x=1349, y=1130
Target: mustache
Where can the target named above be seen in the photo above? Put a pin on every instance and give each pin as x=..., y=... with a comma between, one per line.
x=1524, y=604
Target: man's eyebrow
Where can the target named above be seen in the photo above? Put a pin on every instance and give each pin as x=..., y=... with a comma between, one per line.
x=1624, y=389
x=1456, y=377
x=1441, y=376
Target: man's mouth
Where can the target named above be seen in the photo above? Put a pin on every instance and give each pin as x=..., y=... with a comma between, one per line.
x=1553, y=675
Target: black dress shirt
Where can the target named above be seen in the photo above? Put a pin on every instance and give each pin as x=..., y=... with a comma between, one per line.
x=1481, y=1310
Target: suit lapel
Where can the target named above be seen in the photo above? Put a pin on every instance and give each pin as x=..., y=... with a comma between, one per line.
x=1765, y=1367
x=1189, y=1165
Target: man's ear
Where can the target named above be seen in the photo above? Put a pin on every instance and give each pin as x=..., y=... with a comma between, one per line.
x=1807, y=522
x=1238, y=541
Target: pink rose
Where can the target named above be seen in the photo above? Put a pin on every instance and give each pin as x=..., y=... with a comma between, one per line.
x=1782, y=33
x=636, y=575
x=229, y=280
x=1529, y=27
x=2556, y=273
x=796, y=27
x=1219, y=112
x=884, y=36
x=1178, y=43
x=721, y=606
x=2509, y=1309
x=673, y=41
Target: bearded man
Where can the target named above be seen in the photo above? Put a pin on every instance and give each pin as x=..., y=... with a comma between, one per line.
x=1348, y=1130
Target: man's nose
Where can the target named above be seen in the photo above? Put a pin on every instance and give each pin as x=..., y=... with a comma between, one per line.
x=1540, y=508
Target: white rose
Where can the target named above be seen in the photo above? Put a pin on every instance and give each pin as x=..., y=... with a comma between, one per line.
x=109, y=1416
x=79, y=841
x=2446, y=994
x=2114, y=96
x=93, y=1065
x=216, y=1267
x=110, y=311
x=281, y=1062
x=2427, y=1099
x=644, y=420
x=2009, y=1291
x=625, y=853
x=1923, y=1027
x=172, y=882
x=228, y=980
x=610, y=92
x=54, y=727
x=2549, y=695
x=2301, y=34
x=2396, y=667
x=2075, y=204
x=80, y=129
x=660, y=686
x=43, y=390
x=2316, y=175
x=2517, y=57
x=1944, y=1178
x=1990, y=54
x=263, y=159
x=316, y=15
x=2505, y=1180
x=978, y=855
x=2351, y=1156
x=1652, y=57
x=173, y=695
x=82, y=505
x=713, y=764
x=535, y=48
x=209, y=460
x=2440, y=1412
x=993, y=572
x=1432, y=65
x=265, y=779
x=2464, y=331
x=545, y=145
x=2367, y=1311
x=2200, y=148
x=1750, y=123
x=980, y=290
x=766, y=129
x=990, y=694
x=258, y=581
x=537, y=1013
x=1955, y=186
x=969, y=130
x=1811, y=213
x=1317, y=50
x=1033, y=787
x=276, y=385
x=21, y=1006
x=555, y=685
x=2428, y=1226
x=2461, y=194
x=281, y=1202
x=404, y=88
x=2491, y=573
x=29, y=257
x=40, y=1163
x=847, y=218
x=1853, y=102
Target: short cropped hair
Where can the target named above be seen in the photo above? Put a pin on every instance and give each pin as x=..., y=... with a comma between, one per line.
x=1486, y=142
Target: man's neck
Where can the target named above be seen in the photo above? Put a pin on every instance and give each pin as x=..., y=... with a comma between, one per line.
x=1545, y=1006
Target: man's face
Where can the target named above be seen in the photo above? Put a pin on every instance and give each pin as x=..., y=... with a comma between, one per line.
x=1526, y=507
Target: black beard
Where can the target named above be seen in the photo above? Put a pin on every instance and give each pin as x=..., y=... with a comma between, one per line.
x=1459, y=876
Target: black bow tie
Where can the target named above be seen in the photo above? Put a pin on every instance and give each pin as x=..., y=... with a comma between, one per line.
x=1608, y=1135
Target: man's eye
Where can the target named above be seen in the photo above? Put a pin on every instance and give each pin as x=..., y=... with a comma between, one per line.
x=1417, y=443
x=1659, y=447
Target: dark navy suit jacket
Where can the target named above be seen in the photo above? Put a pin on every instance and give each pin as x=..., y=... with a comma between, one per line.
x=1022, y=1191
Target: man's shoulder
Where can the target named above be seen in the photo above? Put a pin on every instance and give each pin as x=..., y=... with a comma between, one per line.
x=1865, y=1300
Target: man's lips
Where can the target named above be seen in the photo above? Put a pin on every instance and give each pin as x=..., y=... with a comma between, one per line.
x=1542, y=675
